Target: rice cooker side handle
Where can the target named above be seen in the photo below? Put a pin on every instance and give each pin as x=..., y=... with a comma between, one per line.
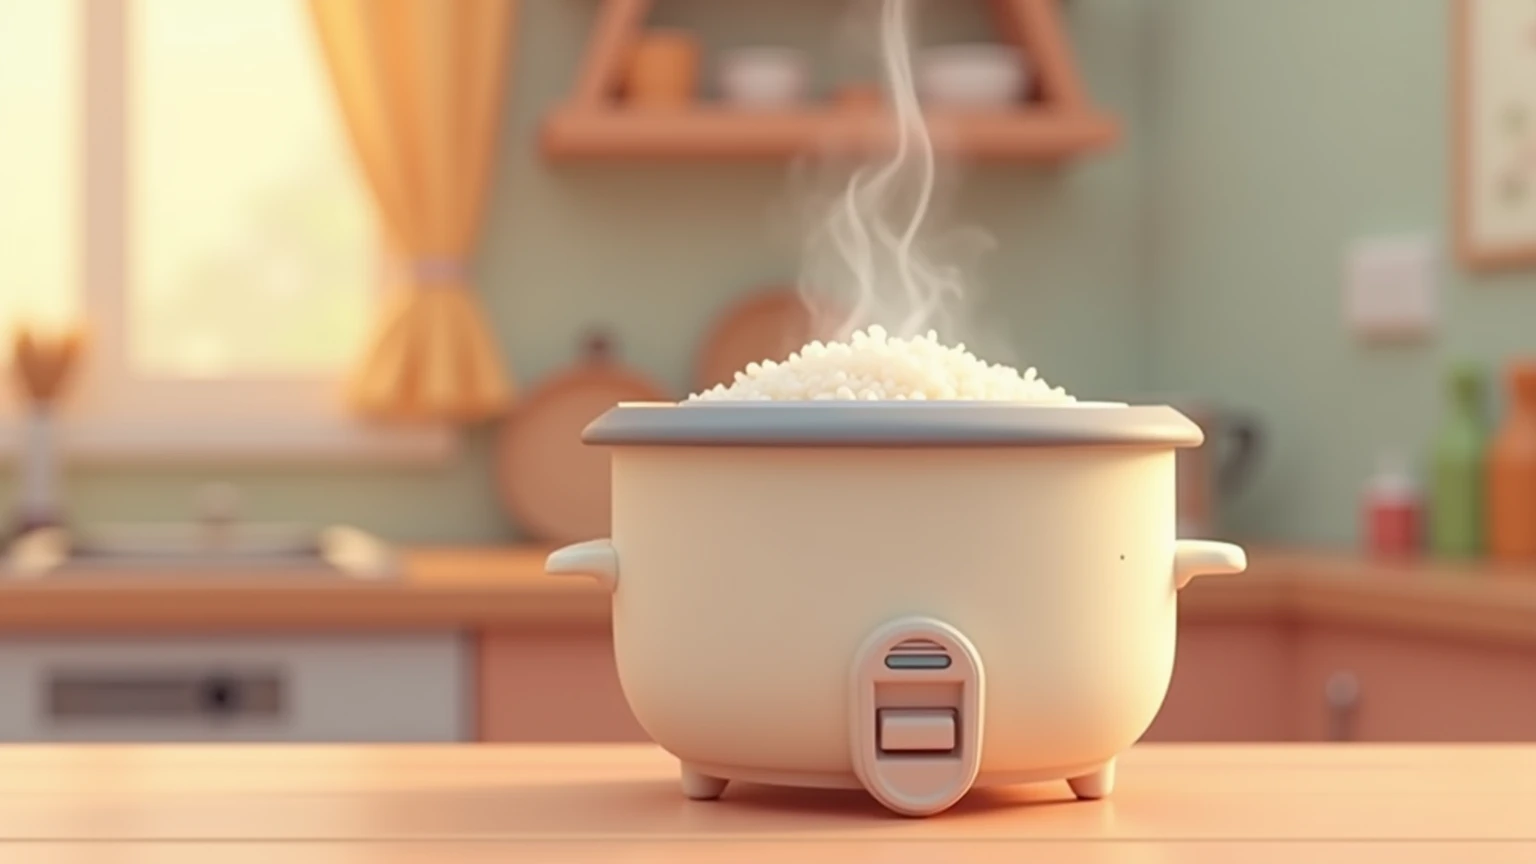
x=595, y=559
x=1193, y=558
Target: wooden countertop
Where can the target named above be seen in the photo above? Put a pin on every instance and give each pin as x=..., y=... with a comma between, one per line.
x=482, y=803
x=440, y=589
x=1472, y=600
x=496, y=588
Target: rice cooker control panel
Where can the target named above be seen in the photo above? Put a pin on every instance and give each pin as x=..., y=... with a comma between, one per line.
x=916, y=715
x=916, y=730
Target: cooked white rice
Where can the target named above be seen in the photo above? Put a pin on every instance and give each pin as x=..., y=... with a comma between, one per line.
x=873, y=366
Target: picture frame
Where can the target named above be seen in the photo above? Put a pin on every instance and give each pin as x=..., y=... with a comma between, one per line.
x=1493, y=56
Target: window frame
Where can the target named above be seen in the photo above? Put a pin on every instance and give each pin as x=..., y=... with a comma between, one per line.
x=113, y=413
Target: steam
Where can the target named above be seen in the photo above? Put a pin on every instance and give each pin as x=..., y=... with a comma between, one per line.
x=871, y=251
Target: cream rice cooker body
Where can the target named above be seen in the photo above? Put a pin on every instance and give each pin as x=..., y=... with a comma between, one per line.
x=911, y=598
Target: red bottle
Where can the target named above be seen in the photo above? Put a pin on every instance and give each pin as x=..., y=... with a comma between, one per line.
x=1393, y=511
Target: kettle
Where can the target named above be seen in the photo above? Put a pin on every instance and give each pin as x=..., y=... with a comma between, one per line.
x=1216, y=471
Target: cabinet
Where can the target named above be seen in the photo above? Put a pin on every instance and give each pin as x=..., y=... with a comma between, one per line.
x=1251, y=680
x=1297, y=682
x=290, y=687
x=1230, y=683
x=551, y=687
x=1390, y=687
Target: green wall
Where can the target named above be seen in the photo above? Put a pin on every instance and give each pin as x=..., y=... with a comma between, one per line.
x=1280, y=131
x=656, y=251
x=1203, y=256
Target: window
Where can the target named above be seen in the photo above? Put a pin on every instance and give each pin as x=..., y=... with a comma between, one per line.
x=39, y=193
x=176, y=172
x=252, y=237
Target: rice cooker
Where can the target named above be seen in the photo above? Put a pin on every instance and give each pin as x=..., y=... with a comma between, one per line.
x=911, y=598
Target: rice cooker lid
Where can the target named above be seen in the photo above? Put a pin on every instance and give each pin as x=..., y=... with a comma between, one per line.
x=892, y=424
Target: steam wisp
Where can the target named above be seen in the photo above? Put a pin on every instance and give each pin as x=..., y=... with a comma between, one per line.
x=868, y=249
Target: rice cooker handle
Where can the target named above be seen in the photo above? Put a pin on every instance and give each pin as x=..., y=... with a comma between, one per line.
x=1193, y=558
x=595, y=559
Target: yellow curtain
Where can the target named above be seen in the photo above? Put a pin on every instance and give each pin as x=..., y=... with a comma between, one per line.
x=420, y=85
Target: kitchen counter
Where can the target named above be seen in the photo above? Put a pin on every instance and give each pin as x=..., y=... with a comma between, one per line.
x=473, y=589
x=469, y=804
x=1477, y=601
x=463, y=589
x=1437, y=652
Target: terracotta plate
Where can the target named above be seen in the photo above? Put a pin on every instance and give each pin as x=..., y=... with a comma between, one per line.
x=554, y=487
x=768, y=325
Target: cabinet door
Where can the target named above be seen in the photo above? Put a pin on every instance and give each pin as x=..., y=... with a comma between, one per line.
x=552, y=687
x=1360, y=686
x=1231, y=682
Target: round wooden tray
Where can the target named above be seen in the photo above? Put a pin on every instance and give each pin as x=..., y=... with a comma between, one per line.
x=767, y=325
x=554, y=487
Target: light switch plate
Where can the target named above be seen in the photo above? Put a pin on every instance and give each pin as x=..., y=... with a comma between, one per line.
x=1391, y=287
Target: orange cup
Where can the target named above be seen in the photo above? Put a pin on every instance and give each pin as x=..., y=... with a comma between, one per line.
x=664, y=70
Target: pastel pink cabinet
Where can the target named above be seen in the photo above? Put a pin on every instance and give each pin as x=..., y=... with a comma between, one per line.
x=1273, y=682
x=554, y=686
x=1250, y=680
x=1230, y=683
x=1362, y=686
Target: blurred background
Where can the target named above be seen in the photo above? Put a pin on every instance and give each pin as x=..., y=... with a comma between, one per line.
x=310, y=302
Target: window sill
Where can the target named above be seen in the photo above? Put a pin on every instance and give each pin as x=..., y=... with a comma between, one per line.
x=333, y=443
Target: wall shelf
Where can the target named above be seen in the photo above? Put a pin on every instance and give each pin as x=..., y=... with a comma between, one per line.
x=716, y=133
x=594, y=124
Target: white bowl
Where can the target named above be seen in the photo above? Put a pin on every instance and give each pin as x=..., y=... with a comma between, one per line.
x=763, y=76
x=981, y=75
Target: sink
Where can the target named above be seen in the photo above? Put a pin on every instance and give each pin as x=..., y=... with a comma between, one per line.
x=210, y=549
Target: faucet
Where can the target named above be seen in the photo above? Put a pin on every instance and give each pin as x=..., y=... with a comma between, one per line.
x=218, y=510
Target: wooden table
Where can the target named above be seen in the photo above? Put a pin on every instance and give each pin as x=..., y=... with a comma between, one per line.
x=620, y=803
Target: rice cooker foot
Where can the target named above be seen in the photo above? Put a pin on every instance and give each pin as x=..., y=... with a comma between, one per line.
x=702, y=787
x=1100, y=783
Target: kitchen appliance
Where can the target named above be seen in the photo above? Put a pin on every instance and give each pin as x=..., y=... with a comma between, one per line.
x=1219, y=469
x=910, y=598
x=290, y=687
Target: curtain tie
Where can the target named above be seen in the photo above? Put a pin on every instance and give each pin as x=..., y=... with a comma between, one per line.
x=438, y=272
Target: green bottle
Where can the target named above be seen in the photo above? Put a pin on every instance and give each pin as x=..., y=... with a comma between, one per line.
x=1458, y=457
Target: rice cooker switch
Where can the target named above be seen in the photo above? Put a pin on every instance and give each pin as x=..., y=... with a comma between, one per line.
x=916, y=715
x=917, y=730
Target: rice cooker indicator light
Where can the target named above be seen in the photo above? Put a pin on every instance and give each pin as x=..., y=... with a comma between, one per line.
x=917, y=661
x=916, y=715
